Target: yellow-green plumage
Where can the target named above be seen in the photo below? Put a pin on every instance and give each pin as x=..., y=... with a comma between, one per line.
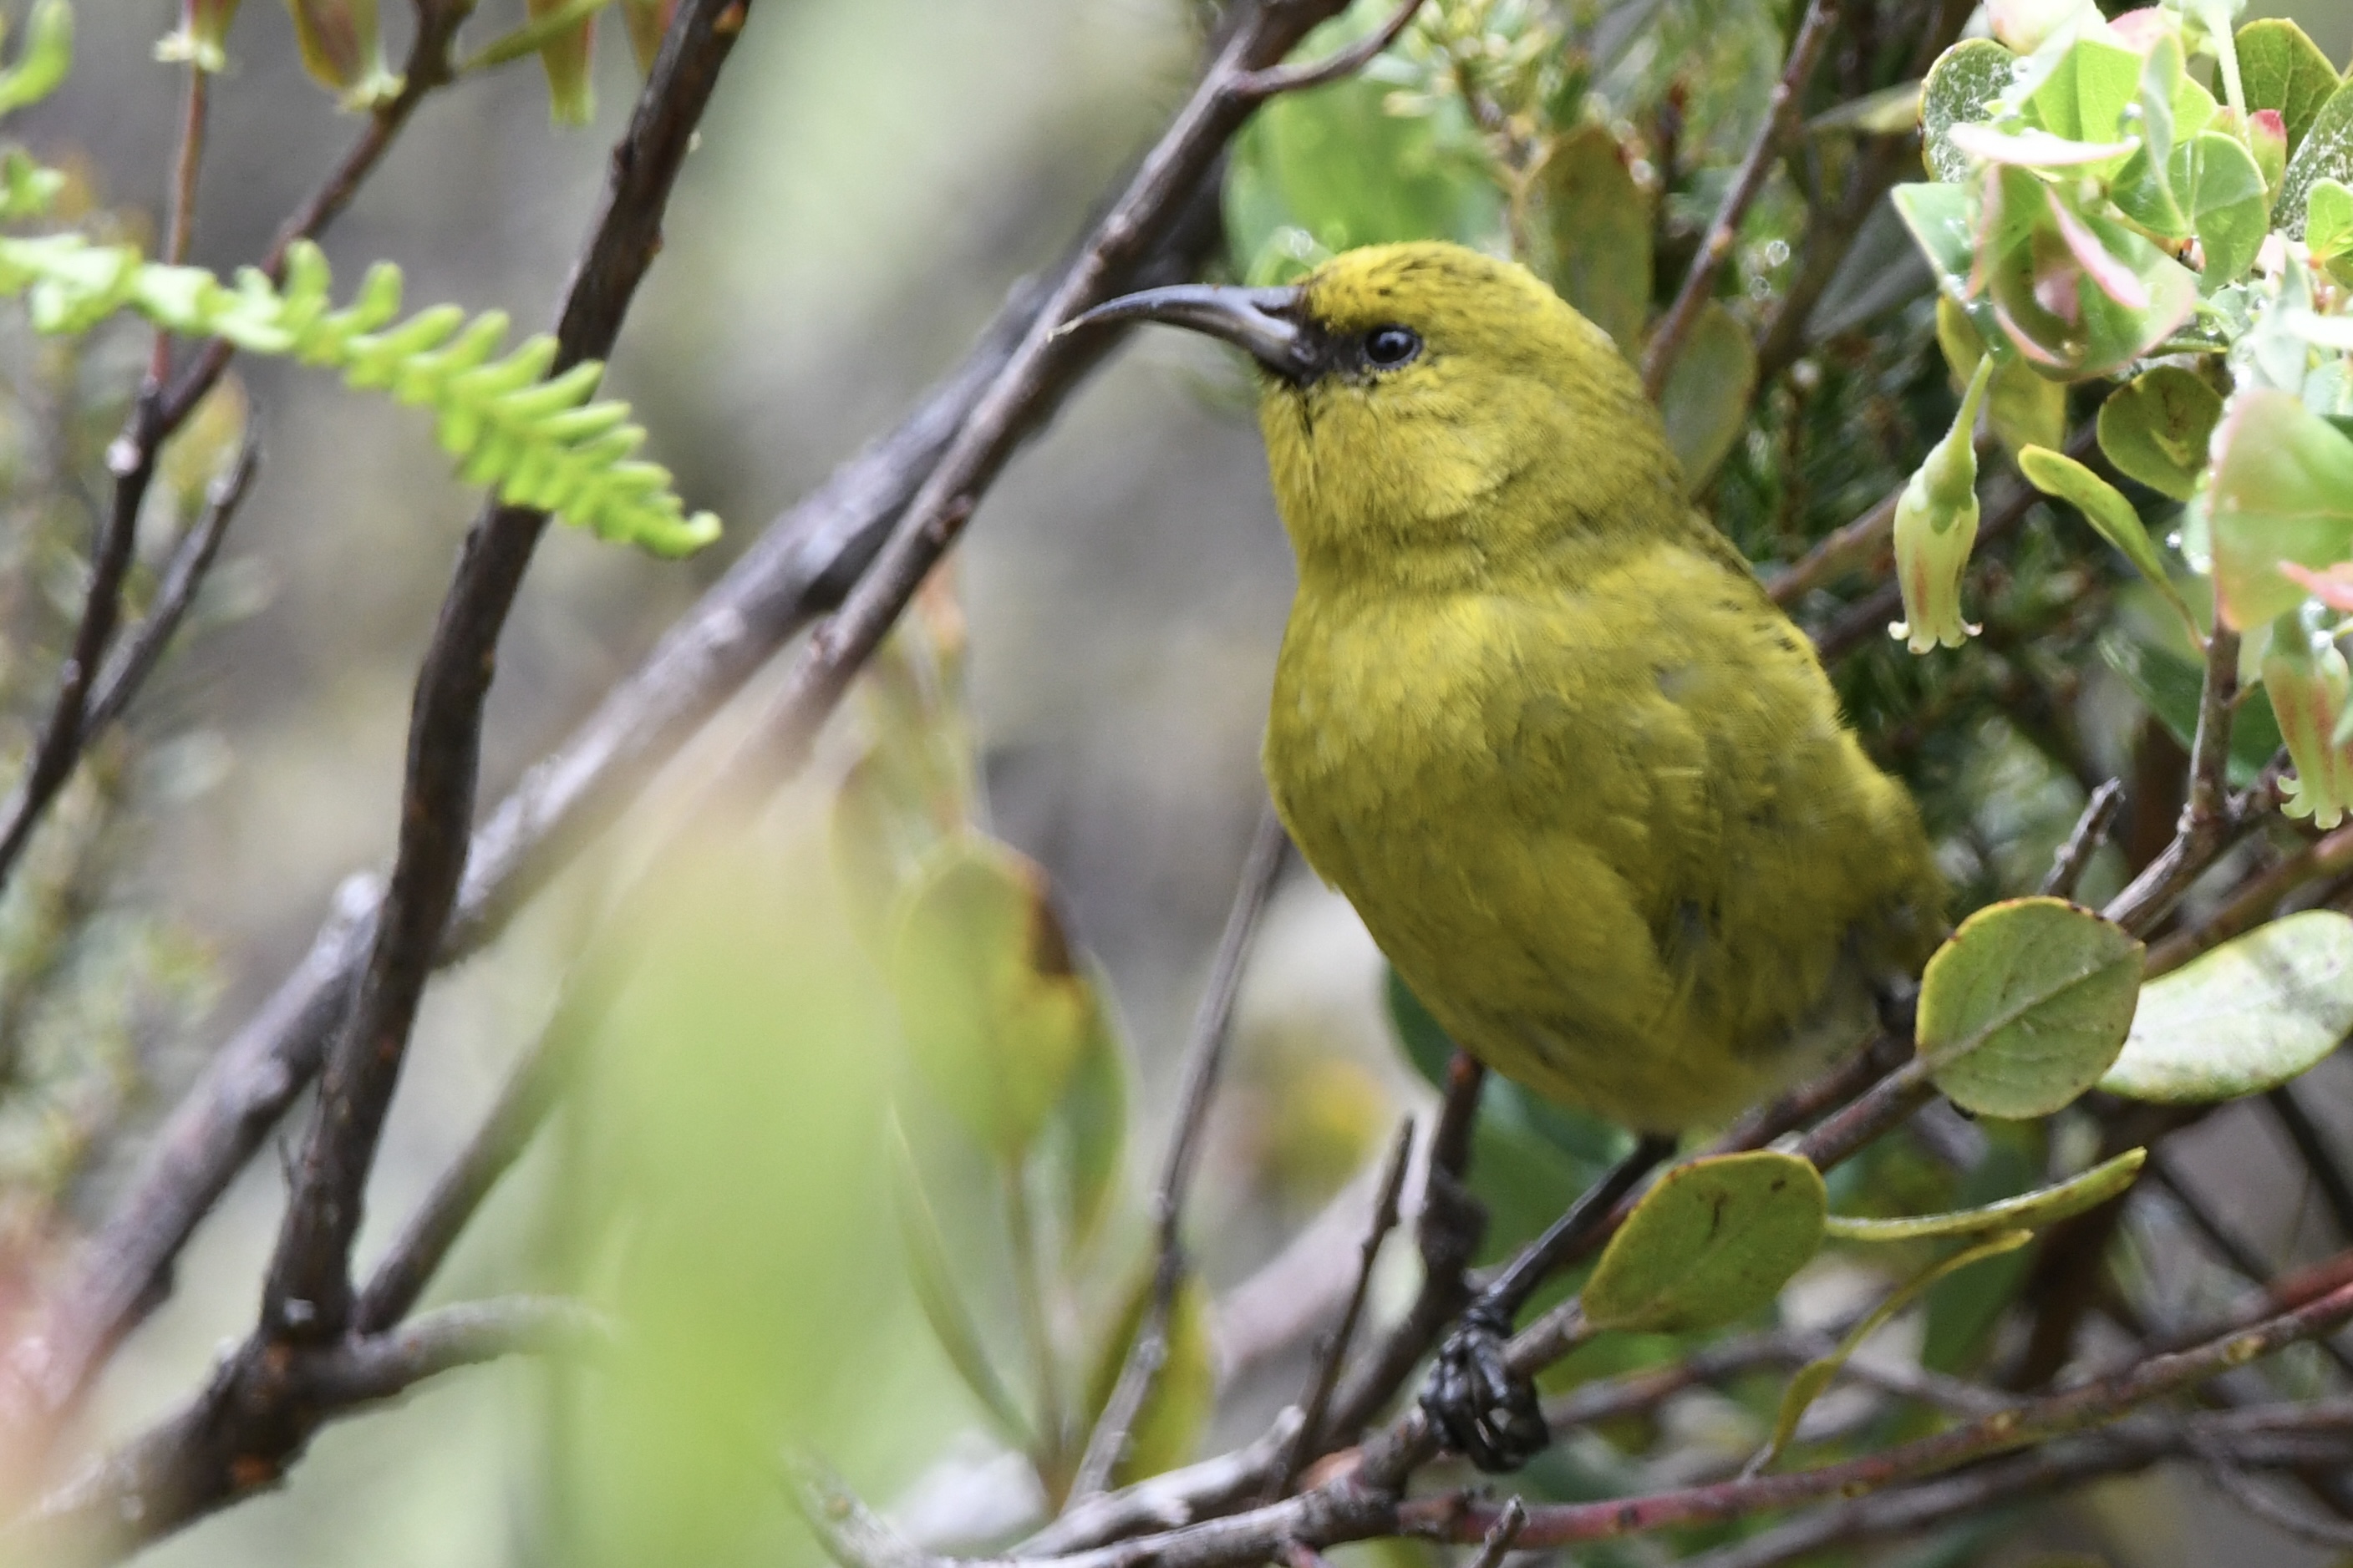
x=1587, y=785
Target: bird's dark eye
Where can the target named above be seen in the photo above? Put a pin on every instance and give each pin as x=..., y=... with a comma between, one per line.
x=1386, y=347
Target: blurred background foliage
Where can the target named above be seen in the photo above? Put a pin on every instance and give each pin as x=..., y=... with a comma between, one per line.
x=801, y=1224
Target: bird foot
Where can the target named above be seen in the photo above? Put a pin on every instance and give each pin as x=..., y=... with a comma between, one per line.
x=1486, y=1411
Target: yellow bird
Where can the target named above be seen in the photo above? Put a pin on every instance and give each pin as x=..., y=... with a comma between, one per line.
x=1589, y=788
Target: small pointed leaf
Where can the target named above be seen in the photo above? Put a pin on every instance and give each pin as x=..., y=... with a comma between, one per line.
x=933, y=1278
x=1705, y=400
x=2106, y=508
x=2246, y=1018
x=1593, y=228
x=2027, y=1005
x=1713, y=1241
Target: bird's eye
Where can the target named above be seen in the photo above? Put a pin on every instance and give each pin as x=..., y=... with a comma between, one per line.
x=1390, y=347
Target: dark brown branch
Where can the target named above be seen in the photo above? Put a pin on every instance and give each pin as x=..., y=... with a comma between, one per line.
x=1316, y=1402
x=1205, y=1055
x=1780, y=119
x=2207, y=820
x=307, y=1296
x=2252, y=902
x=150, y=1486
x=2248, y=1494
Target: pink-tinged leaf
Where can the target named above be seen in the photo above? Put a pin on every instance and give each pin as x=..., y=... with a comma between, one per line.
x=2332, y=586
x=2112, y=277
x=2033, y=149
x=2281, y=490
x=2140, y=30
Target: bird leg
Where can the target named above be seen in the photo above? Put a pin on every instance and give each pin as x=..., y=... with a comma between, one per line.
x=1486, y=1411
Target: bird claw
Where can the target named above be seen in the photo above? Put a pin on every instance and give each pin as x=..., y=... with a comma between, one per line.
x=1487, y=1413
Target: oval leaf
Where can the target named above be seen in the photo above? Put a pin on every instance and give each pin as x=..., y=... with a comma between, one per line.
x=995, y=1014
x=1712, y=1242
x=2027, y=1005
x=2027, y=1211
x=2157, y=427
x=1961, y=89
x=2246, y=1018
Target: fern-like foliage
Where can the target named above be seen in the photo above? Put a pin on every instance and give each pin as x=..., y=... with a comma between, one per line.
x=541, y=443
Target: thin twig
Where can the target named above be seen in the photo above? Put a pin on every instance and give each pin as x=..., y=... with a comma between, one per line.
x=2206, y=819
x=1502, y=1534
x=1272, y=81
x=180, y=215
x=1780, y=119
x=1205, y=1055
x=1330, y=1354
x=142, y=649
x=2091, y=831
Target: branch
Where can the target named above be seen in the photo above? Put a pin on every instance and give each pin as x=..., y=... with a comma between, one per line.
x=2328, y=857
x=2091, y=831
x=149, y=1487
x=1275, y=80
x=2319, y=1159
x=1205, y=1055
x=1780, y=119
x=2209, y=820
x=308, y=1295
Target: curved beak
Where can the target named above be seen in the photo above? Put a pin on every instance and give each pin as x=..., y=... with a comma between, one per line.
x=1267, y=322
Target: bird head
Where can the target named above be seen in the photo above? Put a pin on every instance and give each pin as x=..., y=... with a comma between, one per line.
x=1434, y=412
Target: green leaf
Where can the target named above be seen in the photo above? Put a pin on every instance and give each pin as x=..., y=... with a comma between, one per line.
x=2281, y=490
x=1713, y=1241
x=1705, y=400
x=934, y=1280
x=2248, y=1016
x=2106, y=508
x=1592, y=228
x=46, y=59
x=2084, y=98
x=2027, y=1212
x=1177, y=1408
x=2142, y=189
x=2281, y=68
x=2326, y=154
x=2026, y=1005
x=1807, y=1383
x=2168, y=684
x=1961, y=89
x=2222, y=191
x=997, y=1015
x=2157, y=428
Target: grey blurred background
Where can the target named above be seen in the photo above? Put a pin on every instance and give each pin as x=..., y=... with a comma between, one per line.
x=873, y=175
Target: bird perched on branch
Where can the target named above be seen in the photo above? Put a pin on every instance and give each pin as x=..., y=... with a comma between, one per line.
x=1589, y=788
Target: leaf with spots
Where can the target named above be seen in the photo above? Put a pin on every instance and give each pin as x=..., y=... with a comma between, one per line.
x=2027, y=1005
